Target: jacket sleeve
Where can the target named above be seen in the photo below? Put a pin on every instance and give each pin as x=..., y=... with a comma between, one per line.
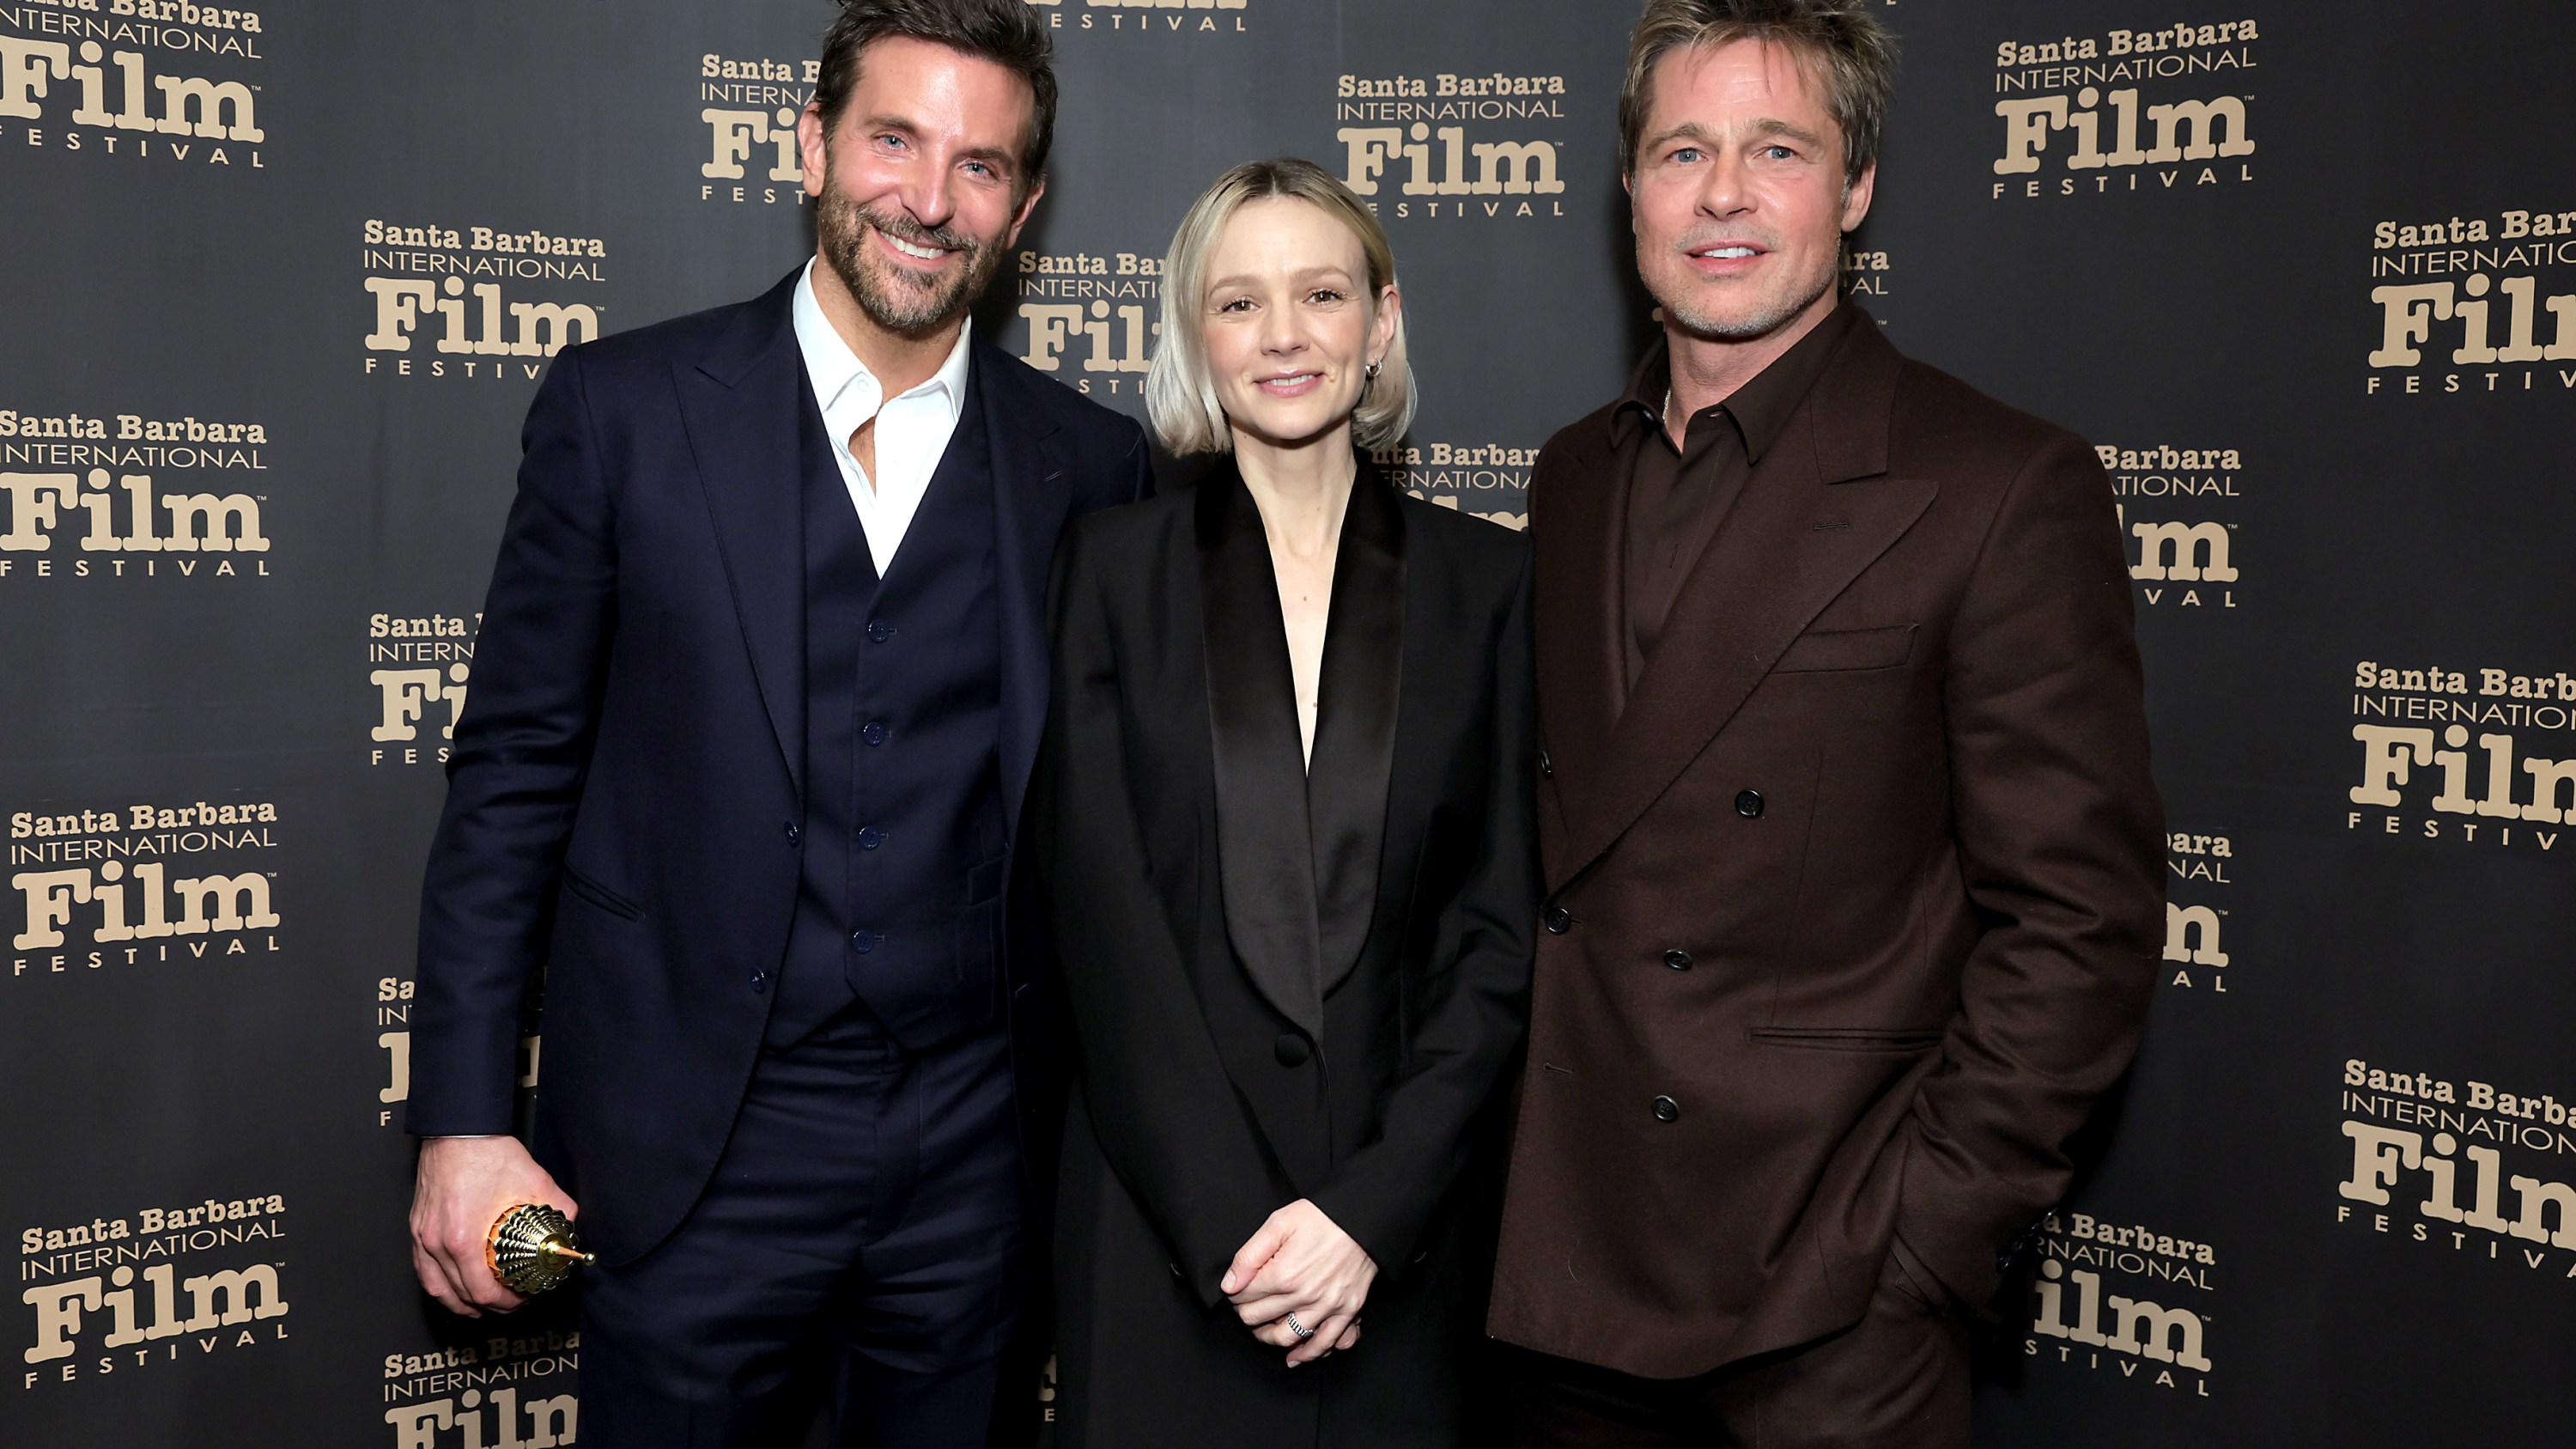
x=1162, y=1107
x=515, y=770
x=1475, y=991
x=2060, y=832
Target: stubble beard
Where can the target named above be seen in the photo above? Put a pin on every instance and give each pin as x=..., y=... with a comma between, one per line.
x=898, y=301
x=1712, y=327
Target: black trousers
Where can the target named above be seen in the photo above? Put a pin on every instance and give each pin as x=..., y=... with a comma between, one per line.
x=1898, y=1379
x=861, y=1243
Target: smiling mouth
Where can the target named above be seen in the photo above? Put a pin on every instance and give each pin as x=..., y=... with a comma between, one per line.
x=1726, y=253
x=912, y=249
x=1290, y=380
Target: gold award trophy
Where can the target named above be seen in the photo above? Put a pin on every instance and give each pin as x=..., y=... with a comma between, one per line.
x=532, y=1248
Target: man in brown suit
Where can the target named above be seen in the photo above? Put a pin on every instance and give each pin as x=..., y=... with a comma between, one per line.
x=1852, y=853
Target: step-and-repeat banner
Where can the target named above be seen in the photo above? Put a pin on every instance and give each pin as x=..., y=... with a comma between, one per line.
x=277, y=284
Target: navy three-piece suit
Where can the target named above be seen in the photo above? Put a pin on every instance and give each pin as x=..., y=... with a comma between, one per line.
x=747, y=809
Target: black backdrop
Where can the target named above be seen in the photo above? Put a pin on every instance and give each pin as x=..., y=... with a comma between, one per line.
x=2305, y=271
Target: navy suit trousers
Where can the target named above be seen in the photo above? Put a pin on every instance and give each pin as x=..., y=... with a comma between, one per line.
x=861, y=1242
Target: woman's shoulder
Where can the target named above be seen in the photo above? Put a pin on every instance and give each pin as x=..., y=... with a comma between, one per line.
x=1478, y=545
x=1117, y=531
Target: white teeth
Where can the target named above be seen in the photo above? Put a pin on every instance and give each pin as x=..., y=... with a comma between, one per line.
x=927, y=254
x=1729, y=252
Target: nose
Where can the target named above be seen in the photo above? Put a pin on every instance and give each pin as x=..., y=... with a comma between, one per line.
x=1727, y=191
x=928, y=197
x=1281, y=334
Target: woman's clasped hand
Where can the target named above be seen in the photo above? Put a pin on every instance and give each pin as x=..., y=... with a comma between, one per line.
x=1301, y=1266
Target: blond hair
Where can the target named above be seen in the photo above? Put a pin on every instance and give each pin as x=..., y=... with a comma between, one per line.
x=1180, y=396
x=1841, y=44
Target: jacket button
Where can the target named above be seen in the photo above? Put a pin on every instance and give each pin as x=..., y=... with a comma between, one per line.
x=1559, y=920
x=870, y=837
x=1546, y=766
x=793, y=834
x=1291, y=1049
x=1749, y=804
x=863, y=941
x=874, y=733
x=760, y=983
x=1678, y=960
x=880, y=630
x=1667, y=1110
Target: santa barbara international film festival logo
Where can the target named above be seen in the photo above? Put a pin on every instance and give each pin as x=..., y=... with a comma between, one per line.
x=419, y=669
x=1092, y=317
x=150, y=1288
x=2463, y=757
x=474, y=302
x=390, y=1004
x=2182, y=552
x=749, y=107
x=132, y=887
x=2120, y=1298
x=2199, y=872
x=506, y=1392
x=1143, y=18
x=131, y=496
x=2125, y=111
x=1489, y=480
x=162, y=82
x=2483, y=304
x=2475, y=1171
x=1449, y=147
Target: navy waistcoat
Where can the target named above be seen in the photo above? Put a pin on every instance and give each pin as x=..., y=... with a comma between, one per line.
x=899, y=907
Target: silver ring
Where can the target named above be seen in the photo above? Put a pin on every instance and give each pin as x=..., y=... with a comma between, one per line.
x=1299, y=1329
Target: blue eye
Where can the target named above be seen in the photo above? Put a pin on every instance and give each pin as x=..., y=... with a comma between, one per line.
x=1686, y=154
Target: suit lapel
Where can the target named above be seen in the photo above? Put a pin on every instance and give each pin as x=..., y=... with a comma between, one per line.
x=1798, y=537
x=740, y=406
x=1363, y=675
x=1575, y=584
x=1030, y=501
x=1265, y=863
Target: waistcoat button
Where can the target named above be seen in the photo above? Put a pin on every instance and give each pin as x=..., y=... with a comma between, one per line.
x=874, y=733
x=880, y=630
x=863, y=941
x=870, y=837
x=1667, y=1110
x=1678, y=960
x=1749, y=804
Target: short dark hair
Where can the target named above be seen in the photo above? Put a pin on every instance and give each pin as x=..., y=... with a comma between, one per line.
x=1842, y=45
x=1005, y=32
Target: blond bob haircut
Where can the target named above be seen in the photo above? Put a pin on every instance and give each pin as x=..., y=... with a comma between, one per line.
x=1180, y=397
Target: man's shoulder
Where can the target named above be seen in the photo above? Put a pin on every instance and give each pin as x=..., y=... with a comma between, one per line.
x=690, y=337
x=1942, y=426
x=1587, y=436
x=1093, y=428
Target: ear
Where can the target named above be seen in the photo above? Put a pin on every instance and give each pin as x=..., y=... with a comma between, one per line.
x=1390, y=310
x=1856, y=197
x=813, y=147
x=1028, y=208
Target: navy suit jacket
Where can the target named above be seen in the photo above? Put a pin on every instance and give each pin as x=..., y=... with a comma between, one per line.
x=625, y=792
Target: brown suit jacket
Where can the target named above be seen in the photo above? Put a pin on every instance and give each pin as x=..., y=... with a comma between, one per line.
x=1851, y=912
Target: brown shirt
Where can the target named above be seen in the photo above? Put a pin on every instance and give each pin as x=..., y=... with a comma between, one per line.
x=1677, y=497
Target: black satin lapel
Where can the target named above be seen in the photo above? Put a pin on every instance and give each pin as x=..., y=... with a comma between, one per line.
x=1263, y=866
x=1363, y=675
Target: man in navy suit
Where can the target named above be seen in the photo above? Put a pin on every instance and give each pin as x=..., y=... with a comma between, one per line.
x=759, y=684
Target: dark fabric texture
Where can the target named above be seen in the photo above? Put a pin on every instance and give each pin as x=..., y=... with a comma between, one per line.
x=625, y=798
x=1897, y=1379
x=1883, y=793
x=860, y=1245
x=1298, y=847
x=1203, y=1106
x=1672, y=499
x=899, y=904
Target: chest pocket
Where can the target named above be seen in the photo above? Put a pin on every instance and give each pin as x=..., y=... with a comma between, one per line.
x=1847, y=649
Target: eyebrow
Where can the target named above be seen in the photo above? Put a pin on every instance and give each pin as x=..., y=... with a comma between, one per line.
x=1768, y=126
x=1328, y=269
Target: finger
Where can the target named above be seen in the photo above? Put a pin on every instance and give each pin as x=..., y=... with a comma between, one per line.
x=1327, y=1333
x=433, y=1281
x=1277, y=1335
x=1350, y=1337
x=463, y=1260
x=1248, y=1259
x=1272, y=1307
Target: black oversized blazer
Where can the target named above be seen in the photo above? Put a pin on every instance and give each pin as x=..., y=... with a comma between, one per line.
x=1341, y=1042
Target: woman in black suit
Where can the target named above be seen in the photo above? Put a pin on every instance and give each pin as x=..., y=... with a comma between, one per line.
x=1284, y=823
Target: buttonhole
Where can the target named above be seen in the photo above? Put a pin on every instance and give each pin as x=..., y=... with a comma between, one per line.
x=1553, y=1067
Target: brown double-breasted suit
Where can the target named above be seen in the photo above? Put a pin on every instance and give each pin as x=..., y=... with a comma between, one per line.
x=1851, y=903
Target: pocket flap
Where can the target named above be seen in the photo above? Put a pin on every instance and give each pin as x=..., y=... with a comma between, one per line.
x=1847, y=649
x=1850, y=1038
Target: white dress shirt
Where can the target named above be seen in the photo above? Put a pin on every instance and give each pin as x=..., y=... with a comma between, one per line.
x=912, y=429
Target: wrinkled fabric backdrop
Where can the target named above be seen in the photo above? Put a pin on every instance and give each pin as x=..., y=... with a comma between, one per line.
x=276, y=286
